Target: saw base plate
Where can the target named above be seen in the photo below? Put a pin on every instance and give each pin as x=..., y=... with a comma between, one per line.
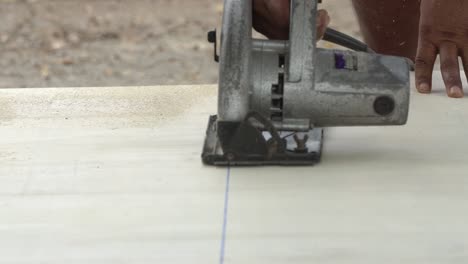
x=213, y=153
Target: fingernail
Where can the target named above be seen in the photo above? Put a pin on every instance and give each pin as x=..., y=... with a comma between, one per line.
x=424, y=88
x=456, y=92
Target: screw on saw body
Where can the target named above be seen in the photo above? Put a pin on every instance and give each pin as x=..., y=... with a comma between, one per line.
x=230, y=156
x=384, y=105
x=301, y=144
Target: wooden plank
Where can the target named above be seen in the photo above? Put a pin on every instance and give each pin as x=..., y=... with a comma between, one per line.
x=113, y=175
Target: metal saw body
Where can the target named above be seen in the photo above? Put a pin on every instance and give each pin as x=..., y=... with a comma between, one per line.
x=275, y=97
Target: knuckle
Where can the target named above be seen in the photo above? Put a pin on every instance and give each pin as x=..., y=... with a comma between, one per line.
x=448, y=34
x=449, y=65
x=425, y=30
x=421, y=61
x=452, y=77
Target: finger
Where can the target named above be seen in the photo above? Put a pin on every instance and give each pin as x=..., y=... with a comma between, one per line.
x=277, y=15
x=323, y=20
x=425, y=59
x=271, y=18
x=450, y=69
x=464, y=55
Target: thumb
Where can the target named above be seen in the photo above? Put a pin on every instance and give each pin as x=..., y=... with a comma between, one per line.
x=323, y=20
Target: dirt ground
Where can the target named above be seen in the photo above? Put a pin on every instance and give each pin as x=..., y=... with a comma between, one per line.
x=51, y=43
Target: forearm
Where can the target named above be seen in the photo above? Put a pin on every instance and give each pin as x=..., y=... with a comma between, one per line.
x=390, y=26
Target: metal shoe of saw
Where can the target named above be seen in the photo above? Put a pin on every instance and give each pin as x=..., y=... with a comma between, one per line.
x=275, y=97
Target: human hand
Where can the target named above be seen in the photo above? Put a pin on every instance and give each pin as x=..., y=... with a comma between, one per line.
x=443, y=31
x=271, y=18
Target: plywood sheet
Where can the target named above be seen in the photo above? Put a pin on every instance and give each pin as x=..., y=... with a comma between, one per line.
x=113, y=175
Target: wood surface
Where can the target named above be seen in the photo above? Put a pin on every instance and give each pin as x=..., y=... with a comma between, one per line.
x=113, y=175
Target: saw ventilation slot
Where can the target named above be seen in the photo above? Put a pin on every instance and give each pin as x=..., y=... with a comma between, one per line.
x=277, y=93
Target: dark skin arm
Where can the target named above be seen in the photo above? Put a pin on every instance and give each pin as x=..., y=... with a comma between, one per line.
x=380, y=21
x=389, y=27
x=417, y=29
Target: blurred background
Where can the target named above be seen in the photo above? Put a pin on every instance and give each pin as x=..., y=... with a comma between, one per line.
x=60, y=43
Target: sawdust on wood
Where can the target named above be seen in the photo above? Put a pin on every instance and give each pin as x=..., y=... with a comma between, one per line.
x=114, y=107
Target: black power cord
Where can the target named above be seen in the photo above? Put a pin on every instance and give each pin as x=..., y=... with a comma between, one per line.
x=346, y=41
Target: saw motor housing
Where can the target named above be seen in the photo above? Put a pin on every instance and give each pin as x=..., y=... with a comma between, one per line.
x=275, y=97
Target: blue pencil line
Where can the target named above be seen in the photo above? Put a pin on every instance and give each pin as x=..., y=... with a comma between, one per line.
x=225, y=216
